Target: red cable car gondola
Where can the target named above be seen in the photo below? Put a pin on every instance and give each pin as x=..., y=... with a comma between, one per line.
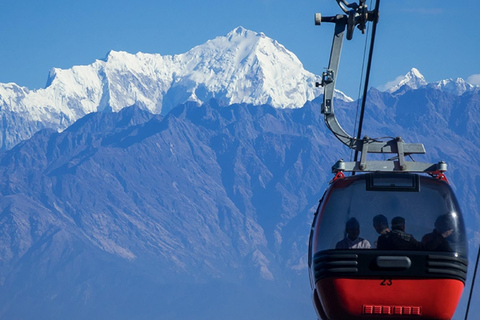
x=422, y=280
x=389, y=241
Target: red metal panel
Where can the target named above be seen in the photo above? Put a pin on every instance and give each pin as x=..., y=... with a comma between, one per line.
x=402, y=299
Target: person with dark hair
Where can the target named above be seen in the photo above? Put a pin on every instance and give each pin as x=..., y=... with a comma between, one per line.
x=380, y=224
x=398, y=239
x=352, y=240
x=437, y=240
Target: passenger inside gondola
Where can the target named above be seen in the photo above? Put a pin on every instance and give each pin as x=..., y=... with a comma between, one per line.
x=352, y=239
x=380, y=224
x=437, y=240
x=398, y=239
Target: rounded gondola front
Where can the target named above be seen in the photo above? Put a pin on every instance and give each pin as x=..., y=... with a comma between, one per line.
x=387, y=246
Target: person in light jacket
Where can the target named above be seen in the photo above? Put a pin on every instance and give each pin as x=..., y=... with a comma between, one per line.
x=352, y=239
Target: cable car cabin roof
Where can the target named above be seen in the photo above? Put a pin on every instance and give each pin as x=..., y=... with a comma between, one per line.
x=427, y=207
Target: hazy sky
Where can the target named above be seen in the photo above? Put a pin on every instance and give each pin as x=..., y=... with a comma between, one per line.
x=440, y=38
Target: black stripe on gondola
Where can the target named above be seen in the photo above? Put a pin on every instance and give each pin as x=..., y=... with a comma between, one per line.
x=446, y=265
x=375, y=264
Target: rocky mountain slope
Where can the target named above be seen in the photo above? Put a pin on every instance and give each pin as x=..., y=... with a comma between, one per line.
x=137, y=215
x=205, y=194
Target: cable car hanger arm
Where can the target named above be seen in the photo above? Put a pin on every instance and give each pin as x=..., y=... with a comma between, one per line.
x=357, y=15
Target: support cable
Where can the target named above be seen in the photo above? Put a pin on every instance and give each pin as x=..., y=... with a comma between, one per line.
x=472, y=286
x=367, y=75
x=360, y=88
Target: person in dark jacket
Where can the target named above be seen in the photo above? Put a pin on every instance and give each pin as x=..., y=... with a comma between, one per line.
x=380, y=224
x=398, y=239
x=437, y=240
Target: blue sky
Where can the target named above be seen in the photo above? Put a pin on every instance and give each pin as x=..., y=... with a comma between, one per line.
x=439, y=38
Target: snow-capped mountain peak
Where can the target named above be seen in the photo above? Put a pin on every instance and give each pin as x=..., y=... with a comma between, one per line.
x=241, y=67
x=413, y=79
x=246, y=67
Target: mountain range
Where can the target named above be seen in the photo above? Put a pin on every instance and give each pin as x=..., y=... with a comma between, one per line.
x=241, y=67
x=415, y=80
x=128, y=196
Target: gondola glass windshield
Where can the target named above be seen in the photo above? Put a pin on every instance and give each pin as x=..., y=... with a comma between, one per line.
x=390, y=212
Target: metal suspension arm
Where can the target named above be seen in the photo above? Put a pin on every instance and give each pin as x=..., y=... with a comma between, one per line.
x=329, y=80
x=357, y=15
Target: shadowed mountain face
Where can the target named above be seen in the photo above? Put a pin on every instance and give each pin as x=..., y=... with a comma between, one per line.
x=124, y=205
x=201, y=214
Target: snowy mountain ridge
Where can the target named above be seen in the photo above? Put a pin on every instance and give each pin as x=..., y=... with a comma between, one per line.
x=241, y=67
x=414, y=80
